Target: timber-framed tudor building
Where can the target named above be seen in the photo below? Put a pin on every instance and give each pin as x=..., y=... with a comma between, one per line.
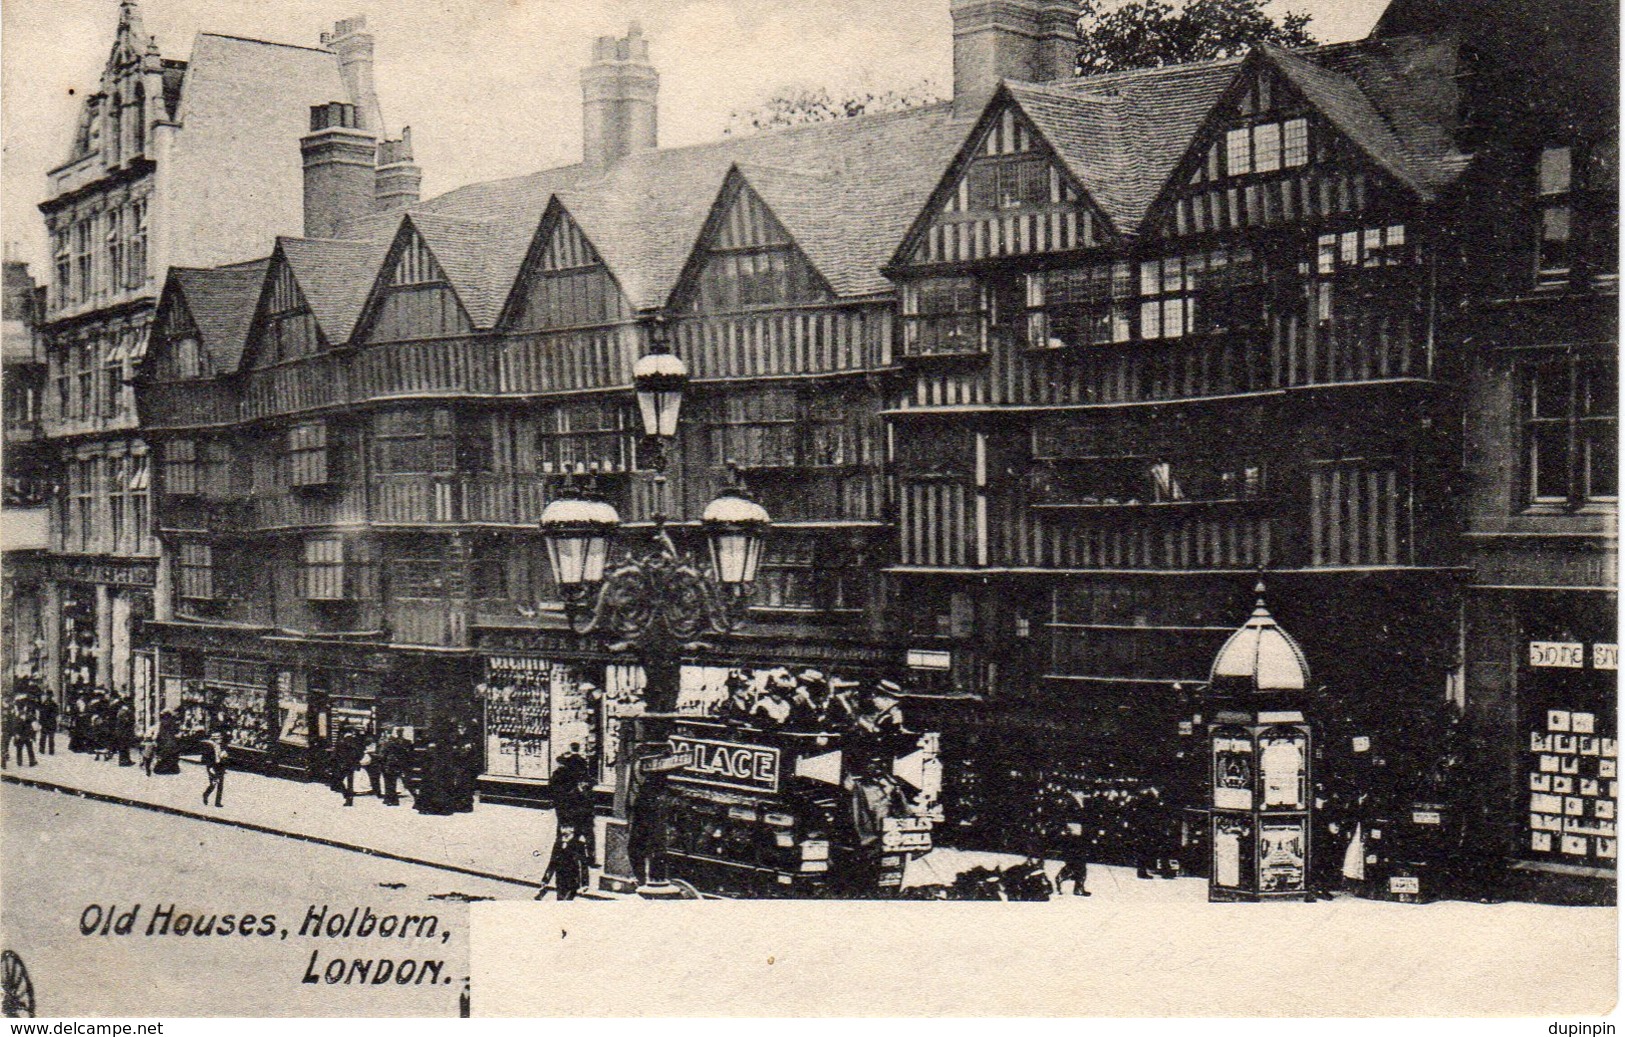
x=1036, y=384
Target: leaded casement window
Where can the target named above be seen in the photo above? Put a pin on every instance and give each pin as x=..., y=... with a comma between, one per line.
x=430, y=441
x=1349, y=262
x=807, y=573
x=117, y=492
x=307, y=454
x=1131, y=480
x=1266, y=147
x=139, y=488
x=1554, y=184
x=62, y=261
x=596, y=435
x=1082, y=306
x=1570, y=434
x=186, y=358
x=753, y=263
x=194, y=571
x=944, y=316
x=136, y=272
x=419, y=568
x=84, y=259
x=324, y=569
x=181, y=467
x=1201, y=292
x=1007, y=182
x=1577, y=213
x=117, y=250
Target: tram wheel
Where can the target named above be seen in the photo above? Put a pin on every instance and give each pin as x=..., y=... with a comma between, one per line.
x=19, y=989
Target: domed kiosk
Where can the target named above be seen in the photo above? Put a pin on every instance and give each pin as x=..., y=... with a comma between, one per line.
x=1260, y=752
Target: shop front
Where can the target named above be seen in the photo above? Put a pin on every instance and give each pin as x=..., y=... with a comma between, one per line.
x=283, y=701
x=541, y=693
x=1567, y=715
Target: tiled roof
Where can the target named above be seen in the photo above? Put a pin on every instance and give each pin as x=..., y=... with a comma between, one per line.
x=335, y=277
x=221, y=301
x=479, y=258
x=1121, y=134
x=848, y=190
x=644, y=215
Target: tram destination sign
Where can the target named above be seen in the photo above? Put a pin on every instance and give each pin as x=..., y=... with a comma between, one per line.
x=731, y=764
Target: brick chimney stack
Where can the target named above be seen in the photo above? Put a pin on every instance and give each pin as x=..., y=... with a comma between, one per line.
x=1033, y=41
x=619, y=93
x=340, y=168
x=351, y=41
x=399, y=178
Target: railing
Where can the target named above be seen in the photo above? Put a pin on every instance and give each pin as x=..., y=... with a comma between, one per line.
x=1221, y=536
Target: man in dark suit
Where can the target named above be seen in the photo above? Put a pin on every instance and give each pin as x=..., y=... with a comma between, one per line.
x=214, y=765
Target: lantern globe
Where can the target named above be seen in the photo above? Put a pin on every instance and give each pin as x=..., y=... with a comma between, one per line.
x=735, y=528
x=658, y=379
x=577, y=533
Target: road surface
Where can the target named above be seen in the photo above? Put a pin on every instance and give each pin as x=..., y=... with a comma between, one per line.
x=72, y=865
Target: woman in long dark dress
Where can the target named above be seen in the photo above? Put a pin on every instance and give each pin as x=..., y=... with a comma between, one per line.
x=168, y=749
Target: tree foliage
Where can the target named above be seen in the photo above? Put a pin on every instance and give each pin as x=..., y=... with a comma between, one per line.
x=796, y=107
x=1151, y=33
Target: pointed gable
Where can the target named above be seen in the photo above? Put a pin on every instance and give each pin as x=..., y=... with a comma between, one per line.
x=284, y=326
x=1010, y=191
x=1302, y=134
x=564, y=282
x=746, y=258
x=414, y=295
x=214, y=309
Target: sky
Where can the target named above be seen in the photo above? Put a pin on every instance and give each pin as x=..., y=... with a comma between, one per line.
x=490, y=87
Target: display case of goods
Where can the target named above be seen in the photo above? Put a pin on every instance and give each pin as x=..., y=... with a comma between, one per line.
x=1572, y=772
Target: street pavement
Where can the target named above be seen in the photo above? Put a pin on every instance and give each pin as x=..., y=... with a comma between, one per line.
x=492, y=841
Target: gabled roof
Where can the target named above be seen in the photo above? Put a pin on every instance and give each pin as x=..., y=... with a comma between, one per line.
x=221, y=301
x=644, y=215
x=335, y=277
x=1122, y=134
x=1339, y=98
x=479, y=258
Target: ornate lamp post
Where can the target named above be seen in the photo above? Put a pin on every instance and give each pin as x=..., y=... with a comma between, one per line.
x=1260, y=751
x=661, y=603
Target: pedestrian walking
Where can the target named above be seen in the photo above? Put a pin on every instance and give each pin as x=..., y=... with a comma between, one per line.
x=347, y=753
x=124, y=733
x=1074, y=852
x=48, y=712
x=392, y=763
x=371, y=765
x=149, y=749
x=570, y=787
x=567, y=868
x=214, y=765
x=22, y=733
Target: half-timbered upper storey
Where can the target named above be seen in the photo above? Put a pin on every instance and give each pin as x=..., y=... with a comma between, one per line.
x=1245, y=225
